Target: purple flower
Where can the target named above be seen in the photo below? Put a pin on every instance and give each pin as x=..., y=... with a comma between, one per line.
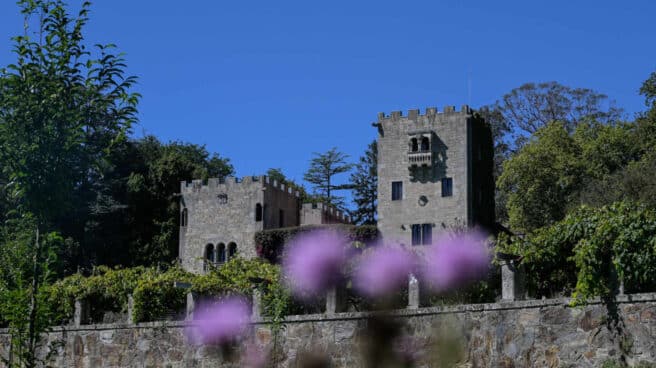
x=456, y=259
x=220, y=322
x=314, y=262
x=383, y=272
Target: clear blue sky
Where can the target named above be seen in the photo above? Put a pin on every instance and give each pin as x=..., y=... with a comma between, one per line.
x=268, y=83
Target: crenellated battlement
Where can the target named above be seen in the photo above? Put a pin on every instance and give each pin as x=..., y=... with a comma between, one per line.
x=414, y=114
x=224, y=184
x=330, y=211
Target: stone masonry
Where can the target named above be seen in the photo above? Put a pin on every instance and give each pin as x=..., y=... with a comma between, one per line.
x=443, y=162
x=220, y=217
x=538, y=333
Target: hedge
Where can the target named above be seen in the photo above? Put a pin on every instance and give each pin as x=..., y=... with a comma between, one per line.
x=270, y=243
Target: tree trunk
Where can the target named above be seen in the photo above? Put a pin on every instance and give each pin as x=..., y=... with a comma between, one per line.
x=31, y=354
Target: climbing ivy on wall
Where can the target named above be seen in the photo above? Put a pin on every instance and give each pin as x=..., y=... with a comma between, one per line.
x=590, y=252
x=270, y=243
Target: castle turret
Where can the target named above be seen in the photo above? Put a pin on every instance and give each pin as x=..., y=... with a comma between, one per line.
x=434, y=172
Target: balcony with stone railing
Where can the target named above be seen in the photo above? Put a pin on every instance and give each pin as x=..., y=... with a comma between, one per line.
x=420, y=158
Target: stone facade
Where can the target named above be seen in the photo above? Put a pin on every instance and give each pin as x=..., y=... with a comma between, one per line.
x=443, y=162
x=538, y=333
x=219, y=219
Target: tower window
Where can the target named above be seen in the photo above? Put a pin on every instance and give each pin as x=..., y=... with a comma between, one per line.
x=281, y=218
x=232, y=250
x=258, y=212
x=220, y=253
x=223, y=198
x=184, y=217
x=426, y=234
x=416, y=234
x=425, y=144
x=209, y=253
x=447, y=187
x=397, y=190
x=413, y=145
x=422, y=234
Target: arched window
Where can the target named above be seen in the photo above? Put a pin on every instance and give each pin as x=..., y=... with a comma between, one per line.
x=413, y=145
x=184, y=217
x=209, y=252
x=232, y=250
x=425, y=144
x=258, y=212
x=220, y=253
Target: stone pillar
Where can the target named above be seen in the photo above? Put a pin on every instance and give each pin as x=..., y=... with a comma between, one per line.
x=336, y=300
x=414, y=293
x=257, y=302
x=130, y=319
x=81, y=314
x=191, y=305
x=512, y=281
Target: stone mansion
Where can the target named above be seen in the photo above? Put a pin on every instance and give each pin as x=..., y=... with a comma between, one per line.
x=434, y=171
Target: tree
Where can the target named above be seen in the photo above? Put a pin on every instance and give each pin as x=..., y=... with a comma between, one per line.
x=541, y=178
x=133, y=215
x=365, y=186
x=61, y=110
x=323, y=169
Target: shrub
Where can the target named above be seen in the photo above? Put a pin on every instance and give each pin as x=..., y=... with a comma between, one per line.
x=270, y=243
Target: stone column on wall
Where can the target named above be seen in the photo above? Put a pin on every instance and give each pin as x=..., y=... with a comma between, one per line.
x=512, y=279
x=82, y=312
x=336, y=300
x=191, y=305
x=414, y=294
x=257, y=302
x=130, y=319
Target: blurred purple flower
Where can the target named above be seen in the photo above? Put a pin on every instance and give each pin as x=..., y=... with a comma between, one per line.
x=456, y=259
x=220, y=322
x=383, y=272
x=314, y=262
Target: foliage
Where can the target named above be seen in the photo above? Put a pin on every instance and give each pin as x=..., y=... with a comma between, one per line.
x=365, y=187
x=27, y=260
x=106, y=289
x=590, y=252
x=156, y=297
x=557, y=171
x=540, y=180
x=132, y=214
x=321, y=174
x=270, y=243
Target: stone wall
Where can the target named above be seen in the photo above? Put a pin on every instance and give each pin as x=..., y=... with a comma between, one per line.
x=540, y=333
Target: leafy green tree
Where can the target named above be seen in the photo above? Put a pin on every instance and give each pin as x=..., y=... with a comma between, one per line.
x=541, y=178
x=133, y=216
x=61, y=110
x=365, y=187
x=321, y=174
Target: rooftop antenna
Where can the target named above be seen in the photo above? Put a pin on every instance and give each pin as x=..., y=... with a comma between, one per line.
x=469, y=86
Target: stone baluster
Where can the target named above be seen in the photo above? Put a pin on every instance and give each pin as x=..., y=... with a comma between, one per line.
x=512, y=281
x=257, y=302
x=130, y=319
x=413, y=293
x=191, y=305
x=82, y=311
x=336, y=300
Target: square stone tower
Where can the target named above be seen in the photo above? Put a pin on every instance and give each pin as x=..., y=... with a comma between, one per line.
x=434, y=173
x=219, y=219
